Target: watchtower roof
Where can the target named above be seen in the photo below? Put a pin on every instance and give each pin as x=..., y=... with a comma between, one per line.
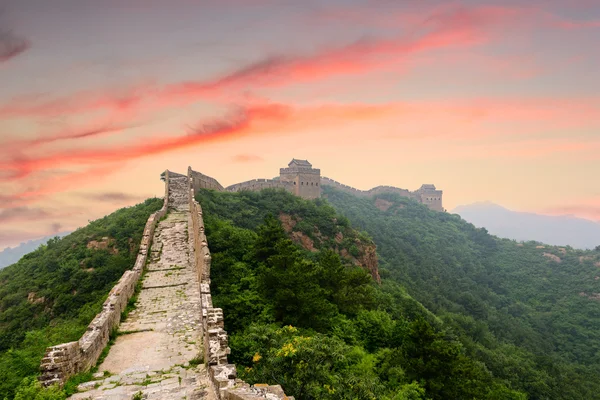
x=428, y=186
x=300, y=163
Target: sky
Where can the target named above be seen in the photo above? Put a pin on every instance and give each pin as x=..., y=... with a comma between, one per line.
x=488, y=100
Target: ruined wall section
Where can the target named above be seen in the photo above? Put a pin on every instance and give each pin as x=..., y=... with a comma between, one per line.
x=222, y=374
x=431, y=197
x=62, y=361
x=427, y=194
x=201, y=181
x=260, y=184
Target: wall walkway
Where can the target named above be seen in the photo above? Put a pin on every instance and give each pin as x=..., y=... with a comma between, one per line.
x=172, y=345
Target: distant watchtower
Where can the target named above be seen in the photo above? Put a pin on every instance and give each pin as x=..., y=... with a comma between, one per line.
x=305, y=178
x=430, y=196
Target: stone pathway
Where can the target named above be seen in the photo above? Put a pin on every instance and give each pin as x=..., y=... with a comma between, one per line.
x=158, y=353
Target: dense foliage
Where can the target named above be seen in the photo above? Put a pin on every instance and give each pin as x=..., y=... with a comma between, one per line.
x=52, y=294
x=529, y=311
x=316, y=324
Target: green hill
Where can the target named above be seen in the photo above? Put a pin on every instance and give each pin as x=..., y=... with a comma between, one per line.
x=52, y=294
x=445, y=310
x=529, y=311
x=305, y=316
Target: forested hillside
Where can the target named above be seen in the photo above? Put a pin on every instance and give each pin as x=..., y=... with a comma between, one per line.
x=305, y=316
x=52, y=294
x=529, y=311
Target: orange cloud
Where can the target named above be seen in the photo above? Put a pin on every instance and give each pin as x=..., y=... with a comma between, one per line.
x=263, y=117
x=589, y=208
x=247, y=158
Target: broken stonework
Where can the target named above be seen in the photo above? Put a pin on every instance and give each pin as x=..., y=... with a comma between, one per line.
x=173, y=326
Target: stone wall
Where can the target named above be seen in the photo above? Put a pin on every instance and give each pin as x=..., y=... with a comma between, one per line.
x=216, y=343
x=426, y=195
x=65, y=360
x=201, y=181
x=260, y=184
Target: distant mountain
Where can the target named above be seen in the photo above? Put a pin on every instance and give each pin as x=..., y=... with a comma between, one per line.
x=10, y=256
x=555, y=230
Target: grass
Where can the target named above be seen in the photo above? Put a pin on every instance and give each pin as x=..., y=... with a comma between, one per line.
x=133, y=299
x=194, y=362
x=71, y=384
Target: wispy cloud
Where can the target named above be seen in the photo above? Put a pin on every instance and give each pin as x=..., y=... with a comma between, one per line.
x=11, y=45
x=452, y=28
x=112, y=197
x=590, y=211
x=23, y=214
x=266, y=117
x=247, y=158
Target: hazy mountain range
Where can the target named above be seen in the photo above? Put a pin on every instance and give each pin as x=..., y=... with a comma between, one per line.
x=523, y=226
x=10, y=255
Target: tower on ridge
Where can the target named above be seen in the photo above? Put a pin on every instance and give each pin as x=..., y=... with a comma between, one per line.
x=305, y=178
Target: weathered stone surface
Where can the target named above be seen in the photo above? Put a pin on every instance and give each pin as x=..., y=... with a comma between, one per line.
x=173, y=323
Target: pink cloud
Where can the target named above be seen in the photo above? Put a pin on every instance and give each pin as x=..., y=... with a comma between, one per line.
x=461, y=27
x=247, y=158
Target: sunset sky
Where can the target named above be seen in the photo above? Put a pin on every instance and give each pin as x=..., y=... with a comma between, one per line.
x=488, y=100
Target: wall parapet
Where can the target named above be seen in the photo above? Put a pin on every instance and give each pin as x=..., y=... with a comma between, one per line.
x=260, y=184
x=200, y=181
x=426, y=194
x=62, y=361
x=223, y=375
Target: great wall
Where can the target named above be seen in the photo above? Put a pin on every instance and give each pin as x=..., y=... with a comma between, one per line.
x=301, y=179
x=173, y=345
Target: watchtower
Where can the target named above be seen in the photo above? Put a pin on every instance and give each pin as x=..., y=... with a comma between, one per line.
x=305, y=178
x=430, y=196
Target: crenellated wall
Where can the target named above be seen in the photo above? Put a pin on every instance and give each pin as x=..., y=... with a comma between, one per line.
x=307, y=182
x=201, y=181
x=216, y=343
x=426, y=194
x=260, y=184
x=65, y=360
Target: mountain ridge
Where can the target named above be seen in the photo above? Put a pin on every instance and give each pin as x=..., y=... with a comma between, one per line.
x=557, y=230
x=11, y=255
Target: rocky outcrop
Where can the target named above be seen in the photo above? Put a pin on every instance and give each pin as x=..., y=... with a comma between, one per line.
x=382, y=204
x=368, y=260
x=106, y=243
x=552, y=257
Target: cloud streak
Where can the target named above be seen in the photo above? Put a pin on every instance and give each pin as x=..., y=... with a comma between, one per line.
x=455, y=28
x=464, y=119
x=12, y=45
x=112, y=197
x=23, y=214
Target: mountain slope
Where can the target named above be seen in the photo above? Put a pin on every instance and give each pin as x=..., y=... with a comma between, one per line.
x=304, y=316
x=10, y=255
x=555, y=230
x=50, y=295
x=529, y=312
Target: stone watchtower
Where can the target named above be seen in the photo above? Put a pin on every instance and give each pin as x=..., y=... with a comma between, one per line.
x=430, y=196
x=305, y=178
